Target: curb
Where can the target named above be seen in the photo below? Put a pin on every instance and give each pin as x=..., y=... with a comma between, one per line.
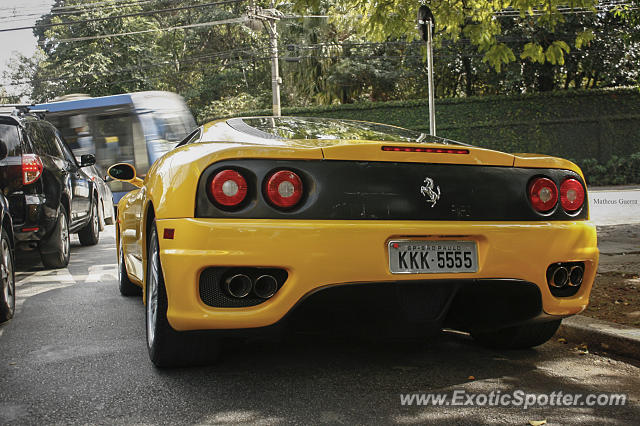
x=597, y=334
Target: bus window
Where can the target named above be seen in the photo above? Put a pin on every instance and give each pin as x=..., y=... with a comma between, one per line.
x=113, y=137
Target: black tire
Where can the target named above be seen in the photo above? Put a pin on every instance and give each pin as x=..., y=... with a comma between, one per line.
x=55, y=250
x=7, y=279
x=518, y=337
x=127, y=287
x=168, y=347
x=90, y=234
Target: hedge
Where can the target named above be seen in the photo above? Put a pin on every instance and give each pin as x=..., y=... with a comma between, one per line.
x=595, y=128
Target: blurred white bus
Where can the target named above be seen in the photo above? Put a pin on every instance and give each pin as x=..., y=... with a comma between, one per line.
x=135, y=128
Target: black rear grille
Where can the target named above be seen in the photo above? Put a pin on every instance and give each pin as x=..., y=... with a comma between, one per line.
x=350, y=190
x=212, y=293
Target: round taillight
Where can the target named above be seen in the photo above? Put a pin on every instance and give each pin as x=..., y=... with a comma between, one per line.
x=228, y=188
x=571, y=195
x=543, y=194
x=284, y=189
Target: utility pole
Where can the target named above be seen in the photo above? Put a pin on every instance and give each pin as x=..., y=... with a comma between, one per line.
x=426, y=23
x=269, y=18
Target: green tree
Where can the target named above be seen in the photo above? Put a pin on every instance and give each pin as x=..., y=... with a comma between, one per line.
x=472, y=19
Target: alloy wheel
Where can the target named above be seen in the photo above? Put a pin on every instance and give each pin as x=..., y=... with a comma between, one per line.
x=152, y=292
x=6, y=272
x=64, y=236
x=95, y=219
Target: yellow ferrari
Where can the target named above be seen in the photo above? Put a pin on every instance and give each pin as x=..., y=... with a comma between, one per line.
x=253, y=223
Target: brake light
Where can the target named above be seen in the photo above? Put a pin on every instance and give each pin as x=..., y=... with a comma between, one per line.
x=228, y=188
x=31, y=168
x=284, y=189
x=428, y=150
x=543, y=194
x=571, y=195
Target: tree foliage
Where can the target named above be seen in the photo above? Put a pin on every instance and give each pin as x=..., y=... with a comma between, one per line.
x=477, y=20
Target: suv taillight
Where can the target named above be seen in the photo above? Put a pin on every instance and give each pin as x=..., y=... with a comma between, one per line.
x=31, y=168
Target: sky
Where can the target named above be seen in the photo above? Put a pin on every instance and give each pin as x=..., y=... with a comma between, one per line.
x=21, y=41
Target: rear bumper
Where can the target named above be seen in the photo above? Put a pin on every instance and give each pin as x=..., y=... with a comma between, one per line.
x=320, y=254
x=33, y=219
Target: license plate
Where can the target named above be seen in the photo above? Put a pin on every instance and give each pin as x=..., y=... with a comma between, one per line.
x=432, y=256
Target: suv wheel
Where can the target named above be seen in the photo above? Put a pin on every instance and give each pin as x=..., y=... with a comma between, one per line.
x=55, y=250
x=7, y=279
x=90, y=234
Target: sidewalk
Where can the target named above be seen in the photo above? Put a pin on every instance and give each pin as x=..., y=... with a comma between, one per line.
x=616, y=212
x=618, y=205
x=601, y=335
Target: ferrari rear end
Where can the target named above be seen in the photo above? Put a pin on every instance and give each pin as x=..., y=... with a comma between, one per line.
x=391, y=236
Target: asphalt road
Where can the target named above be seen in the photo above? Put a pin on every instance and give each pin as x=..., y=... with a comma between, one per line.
x=75, y=353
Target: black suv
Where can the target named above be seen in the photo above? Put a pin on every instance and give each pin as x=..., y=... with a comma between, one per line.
x=49, y=194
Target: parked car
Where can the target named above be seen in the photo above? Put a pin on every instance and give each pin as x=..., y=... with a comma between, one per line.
x=7, y=273
x=49, y=194
x=105, y=197
x=251, y=222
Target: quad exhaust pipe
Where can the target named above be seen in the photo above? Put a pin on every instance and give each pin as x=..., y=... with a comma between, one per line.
x=559, y=278
x=265, y=286
x=576, y=273
x=240, y=286
x=561, y=275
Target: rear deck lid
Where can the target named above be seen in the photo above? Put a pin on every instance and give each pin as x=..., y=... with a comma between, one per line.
x=364, y=141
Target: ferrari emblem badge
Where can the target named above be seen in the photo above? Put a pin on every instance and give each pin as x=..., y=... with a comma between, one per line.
x=427, y=191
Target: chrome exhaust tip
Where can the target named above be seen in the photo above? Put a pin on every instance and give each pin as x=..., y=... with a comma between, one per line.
x=238, y=286
x=575, y=276
x=559, y=278
x=265, y=286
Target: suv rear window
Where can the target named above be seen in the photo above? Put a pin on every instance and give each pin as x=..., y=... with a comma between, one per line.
x=43, y=138
x=9, y=134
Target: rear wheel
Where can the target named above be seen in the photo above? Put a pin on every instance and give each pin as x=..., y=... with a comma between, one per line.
x=90, y=234
x=168, y=347
x=518, y=337
x=55, y=250
x=7, y=279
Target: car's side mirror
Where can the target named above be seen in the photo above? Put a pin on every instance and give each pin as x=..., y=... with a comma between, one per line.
x=124, y=172
x=87, y=160
x=3, y=149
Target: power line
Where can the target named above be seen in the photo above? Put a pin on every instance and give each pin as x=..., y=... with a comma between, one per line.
x=81, y=6
x=230, y=54
x=100, y=5
x=87, y=5
x=601, y=7
x=126, y=3
x=128, y=15
x=30, y=16
x=191, y=59
x=179, y=27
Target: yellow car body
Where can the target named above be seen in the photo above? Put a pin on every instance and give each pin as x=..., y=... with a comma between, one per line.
x=320, y=253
